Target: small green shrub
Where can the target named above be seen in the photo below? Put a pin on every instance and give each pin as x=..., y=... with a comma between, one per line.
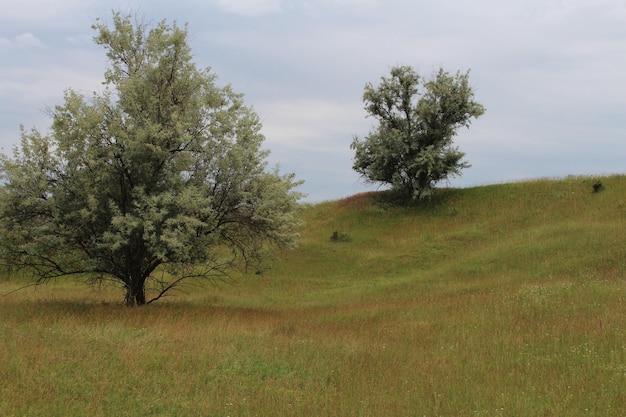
x=338, y=236
x=597, y=186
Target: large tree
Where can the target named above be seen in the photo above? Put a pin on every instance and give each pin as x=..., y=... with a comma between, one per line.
x=412, y=147
x=159, y=178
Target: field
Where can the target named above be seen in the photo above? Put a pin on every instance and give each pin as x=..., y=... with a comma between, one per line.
x=500, y=300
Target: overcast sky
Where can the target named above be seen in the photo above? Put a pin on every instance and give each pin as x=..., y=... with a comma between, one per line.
x=551, y=73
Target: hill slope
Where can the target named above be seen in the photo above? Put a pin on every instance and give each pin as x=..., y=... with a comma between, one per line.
x=544, y=232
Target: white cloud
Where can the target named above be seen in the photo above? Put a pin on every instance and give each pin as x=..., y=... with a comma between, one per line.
x=23, y=41
x=28, y=40
x=312, y=137
x=311, y=123
x=79, y=40
x=50, y=12
x=250, y=7
x=43, y=87
x=5, y=43
x=313, y=7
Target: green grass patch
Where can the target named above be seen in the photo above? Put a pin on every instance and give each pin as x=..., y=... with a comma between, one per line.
x=502, y=300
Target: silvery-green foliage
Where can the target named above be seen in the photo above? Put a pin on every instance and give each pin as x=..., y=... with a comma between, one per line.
x=164, y=169
x=412, y=147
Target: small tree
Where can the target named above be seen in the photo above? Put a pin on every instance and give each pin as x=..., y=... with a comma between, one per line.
x=159, y=179
x=411, y=149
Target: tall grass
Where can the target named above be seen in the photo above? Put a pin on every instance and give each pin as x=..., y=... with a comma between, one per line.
x=503, y=300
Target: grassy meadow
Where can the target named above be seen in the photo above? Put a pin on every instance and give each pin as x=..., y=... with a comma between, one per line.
x=499, y=300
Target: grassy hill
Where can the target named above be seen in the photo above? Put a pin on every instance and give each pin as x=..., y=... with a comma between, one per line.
x=505, y=300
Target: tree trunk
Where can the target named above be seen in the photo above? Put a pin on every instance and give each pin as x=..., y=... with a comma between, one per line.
x=135, y=293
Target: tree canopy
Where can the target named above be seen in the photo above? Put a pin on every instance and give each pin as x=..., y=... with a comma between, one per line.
x=412, y=147
x=157, y=179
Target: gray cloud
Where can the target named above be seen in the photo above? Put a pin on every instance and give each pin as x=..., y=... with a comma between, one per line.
x=549, y=72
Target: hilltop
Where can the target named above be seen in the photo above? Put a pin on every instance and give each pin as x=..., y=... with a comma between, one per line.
x=369, y=246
